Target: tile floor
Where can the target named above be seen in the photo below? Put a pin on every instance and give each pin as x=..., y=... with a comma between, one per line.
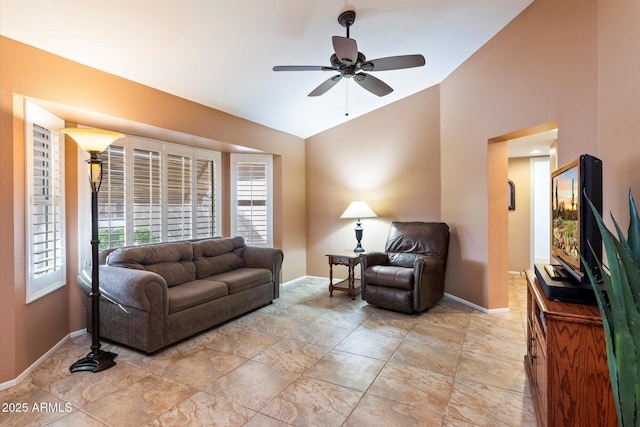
x=306, y=360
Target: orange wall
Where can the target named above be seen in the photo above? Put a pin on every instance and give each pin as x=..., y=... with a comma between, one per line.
x=390, y=158
x=84, y=95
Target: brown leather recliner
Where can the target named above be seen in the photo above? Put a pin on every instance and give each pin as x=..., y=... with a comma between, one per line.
x=409, y=275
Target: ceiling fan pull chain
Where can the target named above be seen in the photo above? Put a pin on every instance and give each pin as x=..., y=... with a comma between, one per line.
x=346, y=97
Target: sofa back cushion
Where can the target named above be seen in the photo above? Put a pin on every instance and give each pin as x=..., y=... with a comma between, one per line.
x=173, y=261
x=215, y=256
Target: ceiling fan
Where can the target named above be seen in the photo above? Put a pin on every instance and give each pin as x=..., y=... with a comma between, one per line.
x=350, y=63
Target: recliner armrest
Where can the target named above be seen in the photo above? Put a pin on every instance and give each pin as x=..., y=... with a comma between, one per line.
x=373, y=258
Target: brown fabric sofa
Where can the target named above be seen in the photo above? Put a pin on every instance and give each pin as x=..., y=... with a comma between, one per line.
x=409, y=275
x=157, y=294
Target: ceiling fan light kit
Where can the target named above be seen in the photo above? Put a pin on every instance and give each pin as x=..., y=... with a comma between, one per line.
x=350, y=63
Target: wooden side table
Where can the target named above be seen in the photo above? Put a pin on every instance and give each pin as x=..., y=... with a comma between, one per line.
x=349, y=259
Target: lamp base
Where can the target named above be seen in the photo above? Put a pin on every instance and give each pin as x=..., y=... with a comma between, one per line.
x=94, y=362
x=358, y=248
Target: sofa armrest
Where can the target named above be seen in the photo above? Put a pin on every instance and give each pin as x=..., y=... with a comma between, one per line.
x=139, y=289
x=263, y=257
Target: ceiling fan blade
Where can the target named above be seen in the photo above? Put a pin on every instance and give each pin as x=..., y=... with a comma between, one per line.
x=372, y=84
x=326, y=85
x=346, y=49
x=394, y=63
x=302, y=68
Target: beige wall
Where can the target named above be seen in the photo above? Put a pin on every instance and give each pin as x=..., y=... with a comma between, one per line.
x=519, y=252
x=390, y=158
x=83, y=95
x=542, y=67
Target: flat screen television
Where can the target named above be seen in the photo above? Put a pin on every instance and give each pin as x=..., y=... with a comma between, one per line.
x=574, y=230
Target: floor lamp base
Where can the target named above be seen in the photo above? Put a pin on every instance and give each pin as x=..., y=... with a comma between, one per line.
x=94, y=362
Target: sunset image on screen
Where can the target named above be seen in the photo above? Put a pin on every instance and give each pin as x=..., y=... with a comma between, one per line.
x=565, y=207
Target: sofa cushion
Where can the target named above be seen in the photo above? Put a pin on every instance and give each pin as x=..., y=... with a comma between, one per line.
x=243, y=278
x=215, y=256
x=173, y=261
x=194, y=293
x=390, y=276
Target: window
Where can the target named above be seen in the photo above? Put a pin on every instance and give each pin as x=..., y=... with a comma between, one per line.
x=154, y=191
x=46, y=268
x=251, y=198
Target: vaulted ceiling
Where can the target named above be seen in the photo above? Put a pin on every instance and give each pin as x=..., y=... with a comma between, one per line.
x=220, y=53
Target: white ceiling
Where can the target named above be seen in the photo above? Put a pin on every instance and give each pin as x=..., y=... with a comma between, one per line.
x=220, y=53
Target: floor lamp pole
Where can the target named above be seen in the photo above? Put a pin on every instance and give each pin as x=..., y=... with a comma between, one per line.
x=97, y=360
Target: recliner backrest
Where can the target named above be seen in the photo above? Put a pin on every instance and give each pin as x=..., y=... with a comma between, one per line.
x=407, y=240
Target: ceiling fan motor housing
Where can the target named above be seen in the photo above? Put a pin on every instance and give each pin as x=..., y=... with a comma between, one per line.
x=347, y=18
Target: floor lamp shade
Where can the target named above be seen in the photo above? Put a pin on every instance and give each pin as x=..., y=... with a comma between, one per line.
x=358, y=209
x=94, y=141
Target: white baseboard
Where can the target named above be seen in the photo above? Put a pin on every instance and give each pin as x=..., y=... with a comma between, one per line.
x=303, y=278
x=477, y=307
x=37, y=363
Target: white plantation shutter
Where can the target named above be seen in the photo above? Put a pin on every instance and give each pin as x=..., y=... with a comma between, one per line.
x=205, y=198
x=154, y=191
x=46, y=269
x=112, y=198
x=147, y=202
x=252, y=198
x=179, y=201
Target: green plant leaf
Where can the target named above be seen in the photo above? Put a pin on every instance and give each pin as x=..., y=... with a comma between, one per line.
x=634, y=230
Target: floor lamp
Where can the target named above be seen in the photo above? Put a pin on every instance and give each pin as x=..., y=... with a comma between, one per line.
x=358, y=209
x=94, y=141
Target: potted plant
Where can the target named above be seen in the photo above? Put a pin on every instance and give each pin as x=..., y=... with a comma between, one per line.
x=620, y=311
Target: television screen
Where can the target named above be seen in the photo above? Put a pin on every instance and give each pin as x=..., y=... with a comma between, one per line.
x=565, y=212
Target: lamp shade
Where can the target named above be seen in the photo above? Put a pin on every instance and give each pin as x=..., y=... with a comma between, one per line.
x=92, y=140
x=358, y=209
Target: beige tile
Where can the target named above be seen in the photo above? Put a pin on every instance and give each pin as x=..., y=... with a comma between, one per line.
x=456, y=321
x=140, y=402
x=34, y=408
x=300, y=378
x=507, y=374
x=311, y=402
x=202, y=367
x=57, y=366
x=392, y=324
x=484, y=405
x=244, y=342
x=414, y=387
x=77, y=418
x=252, y=384
x=437, y=335
x=153, y=363
x=81, y=388
x=374, y=411
x=346, y=369
x=261, y=420
x=202, y=409
x=272, y=324
x=366, y=342
x=437, y=358
x=295, y=356
x=497, y=343
x=320, y=334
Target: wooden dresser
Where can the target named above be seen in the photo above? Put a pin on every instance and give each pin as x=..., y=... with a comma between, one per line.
x=566, y=362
